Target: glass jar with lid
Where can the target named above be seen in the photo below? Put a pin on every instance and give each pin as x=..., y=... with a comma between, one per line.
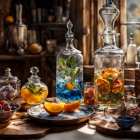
x=34, y=91
x=109, y=61
x=9, y=86
x=69, y=71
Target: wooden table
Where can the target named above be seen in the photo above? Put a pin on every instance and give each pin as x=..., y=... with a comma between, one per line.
x=84, y=131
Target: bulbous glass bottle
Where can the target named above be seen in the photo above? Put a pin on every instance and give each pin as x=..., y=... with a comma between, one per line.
x=34, y=91
x=69, y=71
x=109, y=61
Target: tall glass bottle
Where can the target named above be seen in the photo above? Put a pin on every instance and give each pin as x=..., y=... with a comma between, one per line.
x=131, y=51
x=69, y=71
x=109, y=61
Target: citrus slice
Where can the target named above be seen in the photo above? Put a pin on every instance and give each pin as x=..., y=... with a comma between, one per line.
x=53, y=108
x=113, y=73
x=69, y=86
x=116, y=89
x=103, y=86
x=72, y=107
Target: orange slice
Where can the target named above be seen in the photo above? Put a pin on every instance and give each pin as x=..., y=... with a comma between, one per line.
x=69, y=86
x=72, y=107
x=113, y=73
x=103, y=86
x=53, y=108
x=116, y=89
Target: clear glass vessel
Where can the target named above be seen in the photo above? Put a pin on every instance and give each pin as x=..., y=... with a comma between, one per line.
x=131, y=51
x=69, y=71
x=109, y=61
x=34, y=91
x=9, y=86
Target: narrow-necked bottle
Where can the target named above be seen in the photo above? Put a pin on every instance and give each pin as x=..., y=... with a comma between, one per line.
x=109, y=61
x=131, y=51
x=69, y=71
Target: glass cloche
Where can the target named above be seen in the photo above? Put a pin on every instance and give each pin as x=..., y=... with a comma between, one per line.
x=34, y=91
x=9, y=86
x=69, y=71
x=109, y=61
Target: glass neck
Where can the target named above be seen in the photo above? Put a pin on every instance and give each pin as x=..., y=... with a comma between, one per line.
x=34, y=78
x=19, y=13
x=109, y=40
x=131, y=41
x=69, y=44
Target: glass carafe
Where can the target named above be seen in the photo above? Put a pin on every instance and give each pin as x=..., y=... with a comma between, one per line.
x=34, y=91
x=69, y=71
x=109, y=61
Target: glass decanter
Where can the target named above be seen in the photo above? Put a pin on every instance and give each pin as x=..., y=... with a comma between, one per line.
x=34, y=91
x=69, y=71
x=109, y=61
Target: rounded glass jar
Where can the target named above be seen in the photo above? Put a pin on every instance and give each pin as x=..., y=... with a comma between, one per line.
x=109, y=62
x=69, y=71
x=34, y=91
x=9, y=86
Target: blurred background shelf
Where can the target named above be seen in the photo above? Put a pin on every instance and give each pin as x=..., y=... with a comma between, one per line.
x=49, y=24
x=23, y=57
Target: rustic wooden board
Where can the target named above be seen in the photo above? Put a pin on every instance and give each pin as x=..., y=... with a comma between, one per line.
x=22, y=126
x=113, y=129
x=29, y=129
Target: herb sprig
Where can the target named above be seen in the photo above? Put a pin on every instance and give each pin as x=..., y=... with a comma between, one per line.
x=32, y=88
x=70, y=63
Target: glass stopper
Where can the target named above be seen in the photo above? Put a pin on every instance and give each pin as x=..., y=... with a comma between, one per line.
x=69, y=35
x=8, y=72
x=34, y=70
x=131, y=36
x=109, y=13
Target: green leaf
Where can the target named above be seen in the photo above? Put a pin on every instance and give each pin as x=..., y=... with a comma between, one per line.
x=110, y=80
x=71, y=73
x=63, y=77
x=31, y=91
x=71, y=62
x=61, y=62
x=76, y=74
x=32, y=86
x=39, y=90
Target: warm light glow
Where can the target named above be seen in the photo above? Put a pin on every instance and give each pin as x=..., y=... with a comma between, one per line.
x=86, y=130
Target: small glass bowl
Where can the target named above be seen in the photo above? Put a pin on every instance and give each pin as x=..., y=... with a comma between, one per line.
x=89, y=94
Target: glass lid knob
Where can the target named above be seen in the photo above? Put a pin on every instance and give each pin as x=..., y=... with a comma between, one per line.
x=131, y=36
x=34, y=70
x=8, y=72
x=69, y=35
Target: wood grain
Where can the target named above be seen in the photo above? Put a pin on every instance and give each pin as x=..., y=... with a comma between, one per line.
x=112, y=129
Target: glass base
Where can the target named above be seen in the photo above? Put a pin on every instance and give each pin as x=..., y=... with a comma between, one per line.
x=110, y=107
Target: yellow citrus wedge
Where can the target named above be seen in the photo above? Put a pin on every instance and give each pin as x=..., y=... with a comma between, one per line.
x=103, y=86
x=72, y=107
x=53, y=108
x=69, y=86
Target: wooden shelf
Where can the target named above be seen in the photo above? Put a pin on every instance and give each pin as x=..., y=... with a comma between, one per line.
x=23, y=57
x=48, y=24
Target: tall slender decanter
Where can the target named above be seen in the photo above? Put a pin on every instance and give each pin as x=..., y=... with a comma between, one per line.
x=69, y=71
x=109, y=61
